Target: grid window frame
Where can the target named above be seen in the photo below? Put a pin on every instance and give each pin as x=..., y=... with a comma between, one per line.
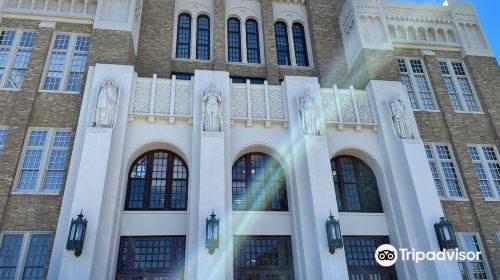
x=482, y=168
x=414, y=68
x=12, y=56
x=463, y=239
x=203, y=38
x=234, y=42
x=183, y=49
x=45, y=160
x=300, y=44
x=67, y=68
x=439, y=172
x=24, y=252
x=252, y=33
x=4, y=134
x=451, y=78
x=282, y=43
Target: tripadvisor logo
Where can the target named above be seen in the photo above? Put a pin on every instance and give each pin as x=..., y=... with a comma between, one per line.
x=386, y=255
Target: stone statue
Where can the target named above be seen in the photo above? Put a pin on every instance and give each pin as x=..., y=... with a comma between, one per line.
x=399, y=118
x=308, y=114
x=212, y=117
x=107, y=100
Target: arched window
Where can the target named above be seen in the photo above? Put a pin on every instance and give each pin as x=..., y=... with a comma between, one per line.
x=183, y=36
x=282, y=48
x=299, y=42
x=233, y=40
x=259, y=184
x=203, y=38
x=355, y=185
x=253, y=46
x=158, y=180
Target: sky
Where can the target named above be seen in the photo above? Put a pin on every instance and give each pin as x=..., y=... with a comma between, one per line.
x=488, y=11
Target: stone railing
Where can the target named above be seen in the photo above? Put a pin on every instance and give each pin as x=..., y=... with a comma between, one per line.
x=347, y=107
x=77, y=9
x=155, y=97
x=252, y=103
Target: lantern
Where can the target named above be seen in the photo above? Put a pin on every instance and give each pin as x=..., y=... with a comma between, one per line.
x=333, y=234
x=212, y=238
x=445, y=235
x=76, y=235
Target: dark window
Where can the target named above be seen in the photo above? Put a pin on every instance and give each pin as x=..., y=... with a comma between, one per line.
x=203, y=38
x=234, y=40
x=355, y=185
x=9, y=255
x=360, y=257
x=36, y=259
x=253, y=48
x=299, y=41
x=158, y=180
x=182, y=76
x=282, y=48
x=151, y=258
x=263, y=258
x=243, y=80
x=183, y=36
x=259, y=184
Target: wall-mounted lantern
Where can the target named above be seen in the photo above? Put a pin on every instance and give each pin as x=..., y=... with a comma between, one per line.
x=212, y=241
x=333, y=234
x=445, y=234
x=76, y=235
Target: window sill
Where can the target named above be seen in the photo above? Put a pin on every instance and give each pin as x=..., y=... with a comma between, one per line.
x=58, y=91
x=192, y=60
x=296, y=67
x=10, y=89
x=245, y=63
x=453, y=199
x=34, y=193
x=469, y=112
x=492, y=199
x=428, y=111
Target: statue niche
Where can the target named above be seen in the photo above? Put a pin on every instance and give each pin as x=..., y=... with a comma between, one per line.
x=308, y=114
x=106, y=107
x=212, y=117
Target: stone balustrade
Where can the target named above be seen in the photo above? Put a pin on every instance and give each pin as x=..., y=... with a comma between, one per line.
x=76, y=9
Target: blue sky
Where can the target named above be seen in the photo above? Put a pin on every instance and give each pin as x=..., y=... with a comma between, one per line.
x=488, y=13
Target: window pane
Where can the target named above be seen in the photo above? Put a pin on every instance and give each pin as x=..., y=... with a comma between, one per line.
x=78, y=63
x=36, y=258
x=234, y=40
x=4, y=132
x=253, y=47
x=21, y=60
x=183, y=36
x=179, y=185
x=158, y=180
x=9, y=255
x=282, y=47
x=299, y=41
x=137, y=183
x=203, y=38
x=6, y=41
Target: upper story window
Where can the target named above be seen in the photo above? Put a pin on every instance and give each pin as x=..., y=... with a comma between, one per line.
x=282, y=47
x=414, y=77
x=66, y=63
x=24, y=255
x=243, y=80
x=355, y=185
x=253, y=46
x=183, y=49
x=44, y=161
x=487, y=165
x=472, y=270
x=299, y=42
x=233, y=40
x=462, y=95
x=259, y=184
x=158, y=180
x=183, y=76
x=443, y=167
x=203, y=38
x=15, y=53
x=4, y=132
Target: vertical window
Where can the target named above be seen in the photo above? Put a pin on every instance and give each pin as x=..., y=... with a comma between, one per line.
x=253, y=46
x=414, y=78
x=24, y=254
x=158, y=180
x=299, y=42
x=183, y=76
x=4, y=132
x=443, y=167
x=487, y=165
x=282, y=48
x=151, y=258
x=15, y=53
x=183, y=36
x=477, y=269
x=233, y=40
x=258, y=184
x=462, y=95
x=203, y=38
x=44, y=161
x=355, y=185
x=263, y=258
x=67, y=62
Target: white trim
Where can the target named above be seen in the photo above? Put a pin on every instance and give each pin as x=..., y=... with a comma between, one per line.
x=413, y=80
x=484, y=162
x=13, y=49
x=43, y=168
